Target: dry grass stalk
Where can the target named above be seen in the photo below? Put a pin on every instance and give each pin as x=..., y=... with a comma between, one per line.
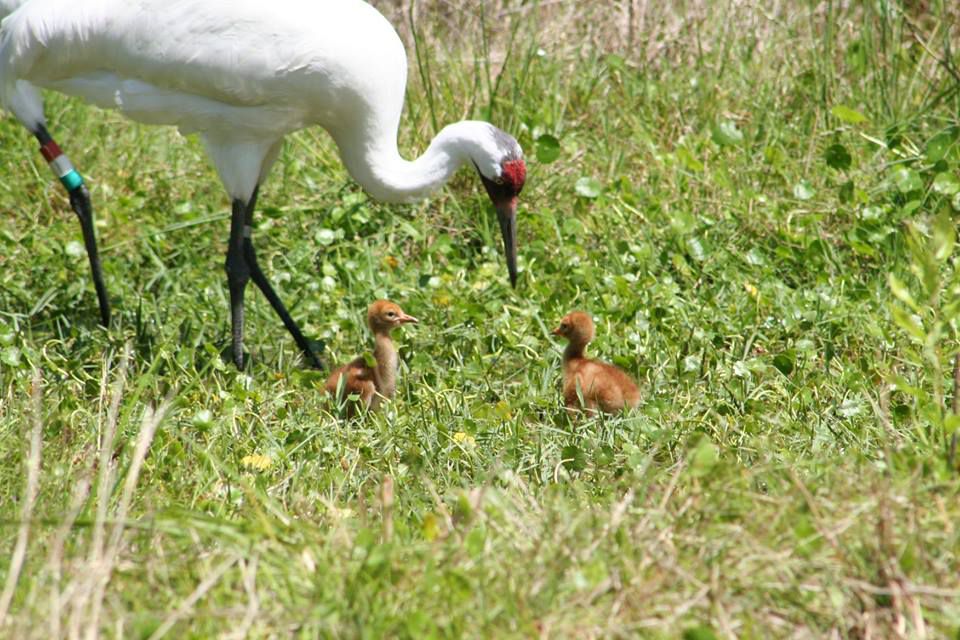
x=81, y=492
x=19, y=554
x=249, y=570
x=105, y=480
x=151, y=420
x=386, y=506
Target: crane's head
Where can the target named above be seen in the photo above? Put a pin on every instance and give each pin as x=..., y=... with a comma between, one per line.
x=503, y=173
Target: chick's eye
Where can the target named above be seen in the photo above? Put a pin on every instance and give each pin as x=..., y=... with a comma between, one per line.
x=390, y=314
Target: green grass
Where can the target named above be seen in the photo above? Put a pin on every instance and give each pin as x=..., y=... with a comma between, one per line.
x=757, y=207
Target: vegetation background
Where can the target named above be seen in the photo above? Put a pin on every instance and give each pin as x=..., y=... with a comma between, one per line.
x=757, y=202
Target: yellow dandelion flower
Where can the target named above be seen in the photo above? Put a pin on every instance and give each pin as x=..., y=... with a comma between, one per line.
x=464, y=439
x=257, y=461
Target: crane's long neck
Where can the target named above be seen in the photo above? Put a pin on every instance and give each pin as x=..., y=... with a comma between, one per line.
x=385, y=375
x=372, y=158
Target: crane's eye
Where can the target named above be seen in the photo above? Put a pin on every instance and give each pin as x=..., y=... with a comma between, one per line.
x=390, y=314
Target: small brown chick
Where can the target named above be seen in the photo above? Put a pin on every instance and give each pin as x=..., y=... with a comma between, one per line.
x=602, y=385
x=372, y=383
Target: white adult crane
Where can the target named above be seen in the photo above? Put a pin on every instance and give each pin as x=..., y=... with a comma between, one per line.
x=243, y=74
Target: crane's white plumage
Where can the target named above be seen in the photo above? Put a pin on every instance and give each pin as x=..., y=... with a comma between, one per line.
x=242, y=73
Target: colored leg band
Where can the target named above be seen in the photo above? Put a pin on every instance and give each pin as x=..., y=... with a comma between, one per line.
x=247, y=231
x=71, y=180
x=60, y=165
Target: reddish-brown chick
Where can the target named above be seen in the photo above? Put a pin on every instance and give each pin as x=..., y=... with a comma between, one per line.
x=602, y=386
x=372, y=383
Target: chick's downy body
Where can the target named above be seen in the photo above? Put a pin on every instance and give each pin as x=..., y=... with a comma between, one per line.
x=371, y=384
x=601, y=386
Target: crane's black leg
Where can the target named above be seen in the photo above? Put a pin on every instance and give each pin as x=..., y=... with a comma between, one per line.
x=80, y=203
x=238, y=274
x=263, y=284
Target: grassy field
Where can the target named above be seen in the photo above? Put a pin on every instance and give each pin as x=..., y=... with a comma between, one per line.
x=757, y=203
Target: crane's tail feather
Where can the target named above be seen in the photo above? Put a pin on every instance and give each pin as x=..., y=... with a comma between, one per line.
x=26, y=103
x=18, y=96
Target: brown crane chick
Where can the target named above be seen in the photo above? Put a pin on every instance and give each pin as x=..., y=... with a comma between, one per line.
x=372, y=382
x=601, y=385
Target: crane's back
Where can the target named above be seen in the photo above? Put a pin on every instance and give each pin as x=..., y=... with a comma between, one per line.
x=337, y=63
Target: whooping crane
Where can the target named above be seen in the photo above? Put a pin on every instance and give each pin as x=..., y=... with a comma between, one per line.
x=243, y=74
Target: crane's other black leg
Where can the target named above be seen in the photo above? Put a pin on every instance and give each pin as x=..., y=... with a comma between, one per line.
x=238, y=274
x=263, y=284
x=80, y=203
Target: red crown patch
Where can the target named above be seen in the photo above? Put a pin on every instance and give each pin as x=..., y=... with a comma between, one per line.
x=514, y=173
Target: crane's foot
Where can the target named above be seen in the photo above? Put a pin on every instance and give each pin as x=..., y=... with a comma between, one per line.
x=241, y=363
x=313, y=359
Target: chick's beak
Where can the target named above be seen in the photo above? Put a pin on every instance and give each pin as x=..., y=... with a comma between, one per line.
x=404, y=319
x=557, y=332
x=507, y=215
